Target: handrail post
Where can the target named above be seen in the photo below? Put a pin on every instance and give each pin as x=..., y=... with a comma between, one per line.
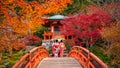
x=30, y=60
x=88, y=59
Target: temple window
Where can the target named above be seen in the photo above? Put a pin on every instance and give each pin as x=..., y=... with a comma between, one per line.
x=57, y=30
x=47, y=37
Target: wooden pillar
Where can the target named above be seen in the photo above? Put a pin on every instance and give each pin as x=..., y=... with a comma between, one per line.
x=52, y=28
x=44, y=37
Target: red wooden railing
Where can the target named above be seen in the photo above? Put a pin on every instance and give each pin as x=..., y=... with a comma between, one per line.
x=31, y=59
x=86, y=58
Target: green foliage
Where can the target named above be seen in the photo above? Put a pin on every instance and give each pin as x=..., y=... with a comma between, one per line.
x=2, y=66
x=77, y=6
x=40, y=31
x=72, y=8
x=99, y=52
x=68, y=47
x=17, y=9
x=4, y=57
x=16, y=56
x=50, y=50
x=11, y=62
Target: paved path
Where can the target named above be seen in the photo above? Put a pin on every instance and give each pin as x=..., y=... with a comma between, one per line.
x=59, y=63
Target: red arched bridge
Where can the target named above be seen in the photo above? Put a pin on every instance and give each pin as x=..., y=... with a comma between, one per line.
x=78, y=57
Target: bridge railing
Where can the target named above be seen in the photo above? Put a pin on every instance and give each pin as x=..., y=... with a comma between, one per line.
x=31, y=59
x=86, y=58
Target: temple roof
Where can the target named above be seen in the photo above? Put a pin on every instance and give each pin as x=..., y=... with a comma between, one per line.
x=56, y=17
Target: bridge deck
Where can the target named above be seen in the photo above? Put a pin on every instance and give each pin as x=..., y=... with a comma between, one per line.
x=59, y=63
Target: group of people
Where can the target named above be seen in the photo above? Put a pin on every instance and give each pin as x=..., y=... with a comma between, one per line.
x=58, y=48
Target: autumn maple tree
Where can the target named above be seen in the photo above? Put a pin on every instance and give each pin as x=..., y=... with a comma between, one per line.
x=84, y=28
x=19, y=18
x=111, y=33
x=32, y=40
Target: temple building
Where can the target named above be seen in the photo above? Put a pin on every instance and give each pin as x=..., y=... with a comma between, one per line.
x=54, y=32
x=55, y=25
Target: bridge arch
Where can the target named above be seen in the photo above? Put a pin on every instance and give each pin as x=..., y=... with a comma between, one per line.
x=86, y=58
x=31, y=59
x=82, y=55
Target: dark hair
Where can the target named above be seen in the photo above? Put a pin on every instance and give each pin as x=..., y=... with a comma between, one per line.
x=61, y=41
x=56, y=40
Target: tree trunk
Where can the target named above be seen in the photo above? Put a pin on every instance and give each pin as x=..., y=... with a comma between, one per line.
x=10, y=54
x=10, y=51
x=0, y=57
x=87, y=44
x=98, y=3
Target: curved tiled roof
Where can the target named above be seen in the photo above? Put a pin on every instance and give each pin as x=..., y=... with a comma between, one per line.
x=56, y=17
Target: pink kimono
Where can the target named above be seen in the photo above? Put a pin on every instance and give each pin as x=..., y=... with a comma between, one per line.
x=55, y=49
x=62, y=48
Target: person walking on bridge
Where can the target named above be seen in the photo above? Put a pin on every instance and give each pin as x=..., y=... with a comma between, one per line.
x=62, y=48
x=55, y=48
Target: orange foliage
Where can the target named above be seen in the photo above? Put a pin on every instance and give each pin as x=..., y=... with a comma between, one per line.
x=18, y=16
x=111, y=33
x=17, y=46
